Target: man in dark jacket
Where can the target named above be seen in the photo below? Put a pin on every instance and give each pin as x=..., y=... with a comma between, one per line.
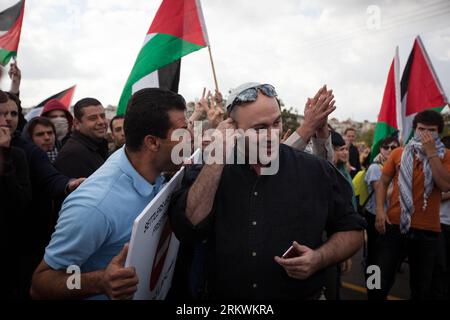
x=350, y=136
x=87, y=149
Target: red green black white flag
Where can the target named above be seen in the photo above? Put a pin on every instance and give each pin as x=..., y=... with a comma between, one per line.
x=177, y=30
x=389, y=118
x=420, y=88
x=65, y=97
x=10, y=29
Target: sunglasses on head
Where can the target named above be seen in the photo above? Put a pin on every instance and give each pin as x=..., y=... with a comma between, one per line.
x=392, y=147
x=250, y=95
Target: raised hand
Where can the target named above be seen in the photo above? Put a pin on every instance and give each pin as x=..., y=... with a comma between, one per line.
x=198, y=110
x=214, y=111
x=218, y=98
x=428, y=143
x=316, y=114
x=16, y=76
x=319, y=108
x=286, y=135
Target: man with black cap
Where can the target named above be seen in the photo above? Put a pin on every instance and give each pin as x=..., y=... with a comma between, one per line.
x=250, y=216
x=340, y=161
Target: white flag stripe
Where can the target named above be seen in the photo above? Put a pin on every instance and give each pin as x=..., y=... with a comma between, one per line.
x=399, y=108
x=35, y=112
x=149, y=81
x=201, y=18
x=430, y=66
x=408, y=124
x=148, y=38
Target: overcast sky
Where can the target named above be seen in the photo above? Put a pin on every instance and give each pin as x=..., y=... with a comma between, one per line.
x=296, y=45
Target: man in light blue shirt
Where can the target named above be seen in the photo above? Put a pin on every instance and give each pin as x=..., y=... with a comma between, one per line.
x=373, y=175
x=96, y=221
x=98, y=218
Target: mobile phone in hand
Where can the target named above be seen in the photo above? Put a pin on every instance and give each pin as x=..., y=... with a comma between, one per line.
x=290, y=253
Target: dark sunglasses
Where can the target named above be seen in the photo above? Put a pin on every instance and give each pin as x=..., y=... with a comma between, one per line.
x=392, y=147
x=250, y=95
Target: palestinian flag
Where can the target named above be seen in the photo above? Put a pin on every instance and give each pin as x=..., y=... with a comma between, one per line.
x=177, y=30
x=10, y=27
x=65, y=97
x=390, y=112
x=420, y=88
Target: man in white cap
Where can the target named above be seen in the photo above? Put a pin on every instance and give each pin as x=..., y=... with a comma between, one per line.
x=250, y=219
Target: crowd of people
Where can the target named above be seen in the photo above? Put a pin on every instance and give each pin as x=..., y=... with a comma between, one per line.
x=69, y=198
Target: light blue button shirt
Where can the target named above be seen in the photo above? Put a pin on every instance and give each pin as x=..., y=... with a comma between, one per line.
x=96, y=220
x=373, y=174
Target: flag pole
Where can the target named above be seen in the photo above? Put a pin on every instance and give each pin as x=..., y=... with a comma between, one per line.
x=213, y=68
x=14, y=60
x=399, y=109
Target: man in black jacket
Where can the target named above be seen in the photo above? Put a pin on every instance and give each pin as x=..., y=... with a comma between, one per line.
x=350, y=136
x=87, y=149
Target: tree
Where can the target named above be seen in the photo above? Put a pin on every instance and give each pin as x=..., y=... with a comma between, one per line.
x=367, y=137
x=290, y=119
x=446, y=131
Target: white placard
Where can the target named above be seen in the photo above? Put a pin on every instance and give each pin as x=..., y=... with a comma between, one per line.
x=153, y=247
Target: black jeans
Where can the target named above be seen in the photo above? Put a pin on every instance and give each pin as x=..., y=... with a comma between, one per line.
x=333, y=282
x=372, y=235
x=441, y=274
x=420, y=246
